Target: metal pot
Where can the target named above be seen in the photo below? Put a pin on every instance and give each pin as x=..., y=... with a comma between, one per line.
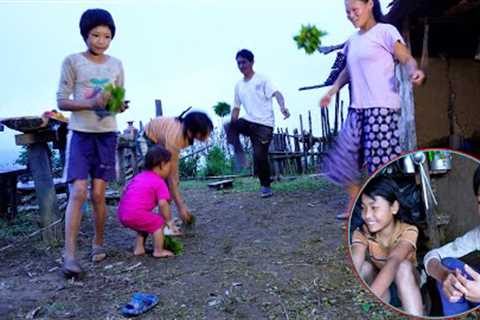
x=442, y=161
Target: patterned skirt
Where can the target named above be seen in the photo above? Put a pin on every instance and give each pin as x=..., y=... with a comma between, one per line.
x=369, y=137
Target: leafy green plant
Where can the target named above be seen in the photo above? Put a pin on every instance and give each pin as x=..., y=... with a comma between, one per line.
x=222, y=109
x=309, y=38
x=216, y=162
x=188, y=167
x=115, y=103
x=174, y=245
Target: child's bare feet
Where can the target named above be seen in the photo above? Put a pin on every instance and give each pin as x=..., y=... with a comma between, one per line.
x=163, y=254
x=138, y=252
x=139, y=246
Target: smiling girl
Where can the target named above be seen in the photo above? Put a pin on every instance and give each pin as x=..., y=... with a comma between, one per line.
x=384, y=248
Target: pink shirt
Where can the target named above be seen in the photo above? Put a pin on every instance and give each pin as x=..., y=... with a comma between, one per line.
x=143, y=193
x=371, y=66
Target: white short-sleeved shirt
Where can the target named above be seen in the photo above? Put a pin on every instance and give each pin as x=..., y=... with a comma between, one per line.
x=255, y=95
x=458, y=248
x=371, y=66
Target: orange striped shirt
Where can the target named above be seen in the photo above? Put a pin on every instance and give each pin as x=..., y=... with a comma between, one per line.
x=168, y=132
x=379, y=252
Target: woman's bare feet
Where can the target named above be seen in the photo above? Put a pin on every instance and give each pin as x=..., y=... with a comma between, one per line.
x=163, y=254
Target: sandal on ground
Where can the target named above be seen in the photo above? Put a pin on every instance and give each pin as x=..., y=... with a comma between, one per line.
x=343, y=216
x=71, y=269
x=98, y=254
x=139, y=303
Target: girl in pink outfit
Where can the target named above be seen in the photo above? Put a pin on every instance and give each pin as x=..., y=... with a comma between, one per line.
x=143, y=194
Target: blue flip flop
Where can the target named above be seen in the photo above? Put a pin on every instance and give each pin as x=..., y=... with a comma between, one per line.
x=139, y=304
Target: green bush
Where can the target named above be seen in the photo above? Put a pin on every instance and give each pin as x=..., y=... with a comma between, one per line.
x=188, y=167
x=217, y=163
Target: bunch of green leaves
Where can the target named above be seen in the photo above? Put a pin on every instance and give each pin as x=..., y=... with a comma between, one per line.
x=174, y=245
x=116, y=100
x=222, y=109
x=309, y=38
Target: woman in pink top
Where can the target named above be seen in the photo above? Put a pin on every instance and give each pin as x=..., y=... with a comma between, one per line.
x=371, y=131
x=142, y=195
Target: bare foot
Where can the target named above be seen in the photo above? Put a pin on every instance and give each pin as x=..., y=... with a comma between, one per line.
x=71, y=269
x=163, y=254
x=138, y=248
x=343, y=216
x=138, y=252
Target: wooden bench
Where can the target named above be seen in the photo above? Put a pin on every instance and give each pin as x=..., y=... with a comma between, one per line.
x=223, y=184
x=8, y=185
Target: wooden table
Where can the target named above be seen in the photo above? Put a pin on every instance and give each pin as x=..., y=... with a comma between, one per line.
x=37, y=132
x=8, y=185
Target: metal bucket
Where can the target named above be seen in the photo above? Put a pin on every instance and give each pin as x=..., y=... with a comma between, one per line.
x=442, y=161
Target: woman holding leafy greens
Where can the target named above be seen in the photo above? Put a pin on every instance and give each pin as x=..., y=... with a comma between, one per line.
x=370, y=135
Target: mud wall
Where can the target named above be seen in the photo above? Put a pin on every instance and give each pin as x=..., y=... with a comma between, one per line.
x=432, y=101
x=456, y=198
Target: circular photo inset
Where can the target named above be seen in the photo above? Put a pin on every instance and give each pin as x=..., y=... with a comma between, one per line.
x=414, y=234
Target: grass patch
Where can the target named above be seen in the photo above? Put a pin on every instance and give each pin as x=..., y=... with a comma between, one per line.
x=21, y=225
x=252, y=184
x=193, y=184
x=302, y=183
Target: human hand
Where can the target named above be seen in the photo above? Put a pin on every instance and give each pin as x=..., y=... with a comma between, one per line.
x=285, y=112
x=173, y=227
x=100, y=100
x=470, y=288
x=417, y=77
x=125, y=105
x=325, y=101
x=185, y=215
x=452, y=287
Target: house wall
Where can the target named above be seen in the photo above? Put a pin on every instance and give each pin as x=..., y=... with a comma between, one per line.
x=456, y=198
x=431, y=101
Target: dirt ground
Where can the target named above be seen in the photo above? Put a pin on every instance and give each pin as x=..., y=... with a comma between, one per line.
x=247, y=258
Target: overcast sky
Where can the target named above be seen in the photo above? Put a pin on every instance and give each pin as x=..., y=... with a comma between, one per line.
x=181, y=52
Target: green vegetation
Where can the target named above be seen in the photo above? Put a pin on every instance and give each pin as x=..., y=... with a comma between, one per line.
x=309, y=38
x=115, y=103
x=222, y=109
x=174, y=245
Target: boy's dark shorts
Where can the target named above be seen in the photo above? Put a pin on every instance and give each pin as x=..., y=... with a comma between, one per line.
x=91, y=154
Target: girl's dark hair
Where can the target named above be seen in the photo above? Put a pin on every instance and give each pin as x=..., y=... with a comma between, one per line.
x=388, y=189
x=93, y=18
x=196, y=122
x=155, y=156
x=244, y=53
x=377, y=10
x=476, y=181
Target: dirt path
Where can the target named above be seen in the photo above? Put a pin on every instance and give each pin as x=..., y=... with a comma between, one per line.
x=248, y=258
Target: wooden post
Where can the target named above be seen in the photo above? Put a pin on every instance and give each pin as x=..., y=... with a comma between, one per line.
x=310, y=136
x=38, y=161
x=341, y=115
x=158, y=108
x=305, y=160
x=296, y=144
x=337, y=107
x=121, y=165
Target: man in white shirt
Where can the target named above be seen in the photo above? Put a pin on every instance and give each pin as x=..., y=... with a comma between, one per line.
x=458, y=284
x=254, y=92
